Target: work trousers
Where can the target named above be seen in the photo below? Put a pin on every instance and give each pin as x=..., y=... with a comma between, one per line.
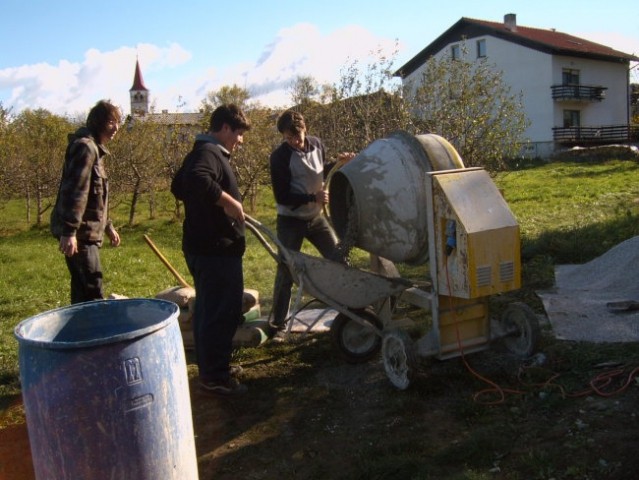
x=86, y=273
x=219, y=288
x=291, y=233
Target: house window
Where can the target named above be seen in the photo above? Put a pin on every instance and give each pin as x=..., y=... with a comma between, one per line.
x=481, y=48
x=572, y=118
x=455, y=52
x=570, y=76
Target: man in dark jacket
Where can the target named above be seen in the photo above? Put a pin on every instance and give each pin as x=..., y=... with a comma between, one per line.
x=79, y=218
x=213, y=244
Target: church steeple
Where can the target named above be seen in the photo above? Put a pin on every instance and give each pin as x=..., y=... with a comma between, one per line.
x=139, y=93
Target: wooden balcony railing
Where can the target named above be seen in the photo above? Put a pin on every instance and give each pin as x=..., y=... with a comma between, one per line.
x=578, y=92
x=596, y=135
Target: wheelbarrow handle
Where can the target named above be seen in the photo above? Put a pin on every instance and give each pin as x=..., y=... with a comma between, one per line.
x=254, y=226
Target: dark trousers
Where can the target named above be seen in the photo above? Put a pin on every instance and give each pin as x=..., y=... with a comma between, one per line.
x=86, y=273
x=219, y=288
x=291, y=233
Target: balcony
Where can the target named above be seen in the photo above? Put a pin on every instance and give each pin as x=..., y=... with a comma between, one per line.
x=583, y=93
x=596, y=135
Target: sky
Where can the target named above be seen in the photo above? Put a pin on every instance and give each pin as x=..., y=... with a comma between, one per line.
x=64, y=56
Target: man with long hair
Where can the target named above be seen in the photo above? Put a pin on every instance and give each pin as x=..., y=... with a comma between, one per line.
x=79, y=218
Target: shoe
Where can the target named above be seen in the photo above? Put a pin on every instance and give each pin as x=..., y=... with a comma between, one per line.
x=235, y=370
x=279, y=336
x=274, y=330
x=223, y=388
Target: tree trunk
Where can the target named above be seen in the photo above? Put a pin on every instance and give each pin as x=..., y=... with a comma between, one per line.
x=178, y=209
x=28, y=201
x=152, y=202
x=134, y=201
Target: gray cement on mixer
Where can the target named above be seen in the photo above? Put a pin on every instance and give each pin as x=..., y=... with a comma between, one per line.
x=576, y=307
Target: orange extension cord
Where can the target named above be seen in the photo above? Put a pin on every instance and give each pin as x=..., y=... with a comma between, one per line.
x=597, y=384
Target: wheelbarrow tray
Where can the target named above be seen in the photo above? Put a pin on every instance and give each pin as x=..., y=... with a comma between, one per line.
x=333, y=283
x=336, y=283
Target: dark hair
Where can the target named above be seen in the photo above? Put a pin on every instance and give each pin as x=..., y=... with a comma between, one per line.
x=231, y=115
x=100, y=115
x=291, y=121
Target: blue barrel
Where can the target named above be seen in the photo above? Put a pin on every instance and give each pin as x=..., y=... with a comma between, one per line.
x=106, y=392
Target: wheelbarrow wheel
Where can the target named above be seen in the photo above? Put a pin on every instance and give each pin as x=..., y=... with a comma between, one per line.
x=521, y=327
x=399, y=358
x=357, y=343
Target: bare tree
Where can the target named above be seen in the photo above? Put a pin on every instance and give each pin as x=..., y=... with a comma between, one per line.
x=365, y=104
x=136, y=164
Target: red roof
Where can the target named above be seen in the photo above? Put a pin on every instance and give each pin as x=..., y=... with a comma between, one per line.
x=138, y=81
x=555, y=39
x=547, y=41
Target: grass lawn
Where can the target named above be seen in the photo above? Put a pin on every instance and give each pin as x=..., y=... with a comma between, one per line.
x=309, y=402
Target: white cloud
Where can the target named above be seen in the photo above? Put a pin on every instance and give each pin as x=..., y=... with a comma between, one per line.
x=175, y=77
x=299, y=50
x=68, y=88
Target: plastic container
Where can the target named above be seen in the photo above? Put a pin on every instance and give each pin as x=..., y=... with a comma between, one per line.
x=106, y=392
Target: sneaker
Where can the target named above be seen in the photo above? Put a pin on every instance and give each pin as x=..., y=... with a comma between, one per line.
x=280, y=336
x=225, y=388
x=274, y=330
x=235, y=370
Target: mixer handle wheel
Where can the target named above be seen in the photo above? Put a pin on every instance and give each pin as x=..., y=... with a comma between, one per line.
x=399, y=358
x=520, y=325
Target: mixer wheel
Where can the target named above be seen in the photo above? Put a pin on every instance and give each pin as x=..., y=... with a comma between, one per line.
x=521, y=327
x=398, y=355
x=357, y=343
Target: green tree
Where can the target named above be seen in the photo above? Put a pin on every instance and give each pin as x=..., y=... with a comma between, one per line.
x=250, y=160
x=6, y=152
x=36, y=144
x=303, y=90
x=225, y=95
x=468, y=103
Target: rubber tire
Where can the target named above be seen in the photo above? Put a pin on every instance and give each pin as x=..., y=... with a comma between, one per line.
x=398, y=355
x=524, y=322
x=356, y=343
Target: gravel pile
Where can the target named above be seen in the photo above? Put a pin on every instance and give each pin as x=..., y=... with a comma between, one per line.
x=576, y=307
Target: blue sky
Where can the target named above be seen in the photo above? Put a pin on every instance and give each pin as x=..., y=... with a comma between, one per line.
x=64, y=56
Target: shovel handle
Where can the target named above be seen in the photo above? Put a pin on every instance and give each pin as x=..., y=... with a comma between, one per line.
x=166, y=263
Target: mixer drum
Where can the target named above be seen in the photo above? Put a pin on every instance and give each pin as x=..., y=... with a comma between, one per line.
x=377, y=201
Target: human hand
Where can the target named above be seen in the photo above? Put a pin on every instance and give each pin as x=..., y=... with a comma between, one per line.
x=234, y=210
x=321, y=197
x=114, y=236
x=345, y=156
x=68, y=246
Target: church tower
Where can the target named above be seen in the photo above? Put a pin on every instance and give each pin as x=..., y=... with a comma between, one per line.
x=139, y=94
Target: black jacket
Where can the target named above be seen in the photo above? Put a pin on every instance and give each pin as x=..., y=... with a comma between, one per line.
x=204, y=175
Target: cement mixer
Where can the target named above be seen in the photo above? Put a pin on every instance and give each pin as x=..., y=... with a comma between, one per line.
x=410, y=199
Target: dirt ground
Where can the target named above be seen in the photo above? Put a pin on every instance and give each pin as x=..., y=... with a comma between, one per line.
x=310, y=415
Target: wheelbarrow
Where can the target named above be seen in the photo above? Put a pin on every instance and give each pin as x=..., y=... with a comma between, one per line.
x=357, y=295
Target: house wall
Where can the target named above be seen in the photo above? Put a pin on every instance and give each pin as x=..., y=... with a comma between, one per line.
x=613, y=109
x=525, y=70
x=528, y=72
x=533, y=73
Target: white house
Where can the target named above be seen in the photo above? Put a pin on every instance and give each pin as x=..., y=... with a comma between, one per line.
x=575, y=92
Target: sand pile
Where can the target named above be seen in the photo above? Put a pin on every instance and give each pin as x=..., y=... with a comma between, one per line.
x=576, y=307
